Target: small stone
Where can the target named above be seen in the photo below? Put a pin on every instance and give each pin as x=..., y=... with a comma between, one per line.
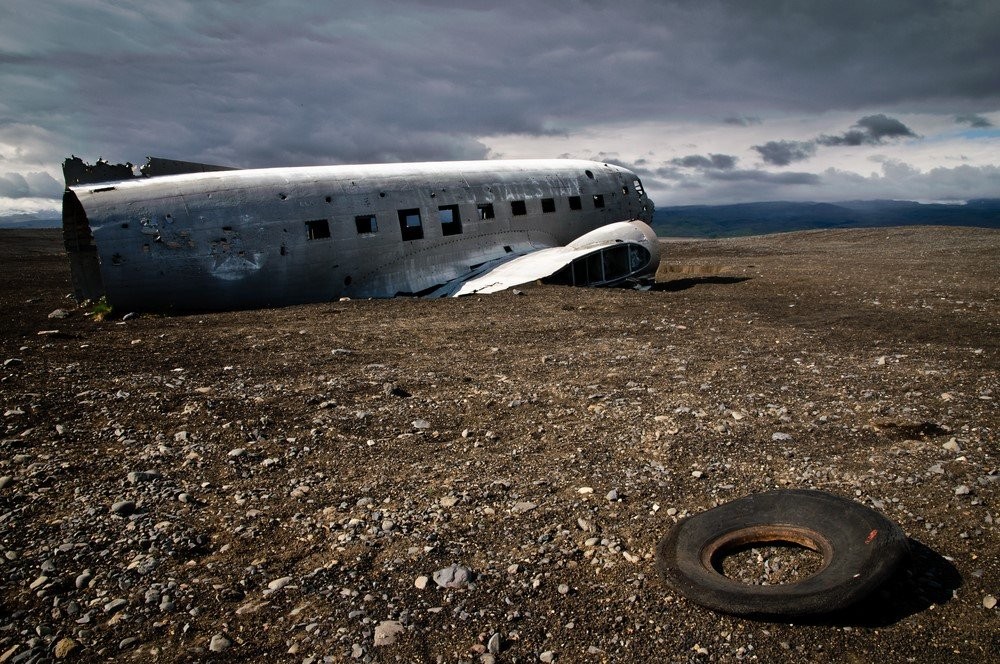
x=219, y=643
x=115, y=605
x=65, y=647
x=123, y=508
x=563, y=589
x=387, y=632
x=951, y=446
x=421, y=424
x=494, y=644
x=780, y=436
x=238, y=452
x=697, y=474
x=522, y=507
x=59, y=313
x=127, y=642
x=137, y=476
x=961, y=490
x=989, y=602
x=612, y=495
x=83, y=580
x=548, y=656
x=37, y=583
x=357, y=652
x=421, y=582
x=5, y=480
x=277, y=584
x=454, y=576
x=585, y=490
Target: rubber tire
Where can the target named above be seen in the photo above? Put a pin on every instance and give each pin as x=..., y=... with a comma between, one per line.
x=861, y=550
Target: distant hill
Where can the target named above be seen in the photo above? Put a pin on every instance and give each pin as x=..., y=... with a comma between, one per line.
x=30, y=220
x=779, y=217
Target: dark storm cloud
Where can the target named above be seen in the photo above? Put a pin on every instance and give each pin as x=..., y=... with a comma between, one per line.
x=701, y=162
x=974, y=121
x=390, y=80
x=255, y=84
x=870, y=130
x=782, y=153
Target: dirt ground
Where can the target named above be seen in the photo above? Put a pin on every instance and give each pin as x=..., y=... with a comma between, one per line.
x=283, y=485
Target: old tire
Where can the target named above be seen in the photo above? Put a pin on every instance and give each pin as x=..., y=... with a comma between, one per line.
x=860, y=549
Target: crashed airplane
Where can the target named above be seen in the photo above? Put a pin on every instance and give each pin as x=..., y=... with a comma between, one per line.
x=192, y=237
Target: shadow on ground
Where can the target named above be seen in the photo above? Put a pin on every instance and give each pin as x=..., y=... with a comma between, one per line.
x=925, y=579
x=691, y=282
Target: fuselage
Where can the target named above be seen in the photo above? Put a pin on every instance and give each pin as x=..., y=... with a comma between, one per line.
x=280, y=236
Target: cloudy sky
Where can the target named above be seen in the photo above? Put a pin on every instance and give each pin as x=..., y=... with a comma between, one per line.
x=711, y=101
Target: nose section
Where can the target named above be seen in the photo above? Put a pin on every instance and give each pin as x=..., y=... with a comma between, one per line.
x=647, y=211
x=652, y=245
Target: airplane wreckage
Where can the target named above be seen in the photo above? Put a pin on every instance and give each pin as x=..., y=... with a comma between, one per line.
x=184, y=236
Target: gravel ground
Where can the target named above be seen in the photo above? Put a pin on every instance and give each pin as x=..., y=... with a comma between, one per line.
x=486, y=479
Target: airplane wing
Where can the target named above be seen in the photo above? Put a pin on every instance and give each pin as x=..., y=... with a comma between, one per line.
x=626, y=251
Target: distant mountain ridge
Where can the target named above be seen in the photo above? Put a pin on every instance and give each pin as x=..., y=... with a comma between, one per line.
x=783, y=216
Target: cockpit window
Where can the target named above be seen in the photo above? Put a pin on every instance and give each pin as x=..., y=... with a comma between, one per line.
x=638, y=187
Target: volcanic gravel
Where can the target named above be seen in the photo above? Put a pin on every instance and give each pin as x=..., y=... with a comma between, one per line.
x=485, y=479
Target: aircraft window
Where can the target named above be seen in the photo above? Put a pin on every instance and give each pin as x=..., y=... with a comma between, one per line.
x=574, y=203
x=485, y=211
x=625, y=191
x=318, y=229
x=410, y=224
x=638, y=187
x=548, y=205
x=589, y=174
x=598, y=200
x=637, y=257
x=366, y=224
x=451, y=222
x=616, y=262
x=518, y=208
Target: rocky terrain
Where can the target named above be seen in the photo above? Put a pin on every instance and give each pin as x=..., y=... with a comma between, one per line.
x=486, y=479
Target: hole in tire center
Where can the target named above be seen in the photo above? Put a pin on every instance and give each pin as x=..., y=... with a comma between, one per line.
x=768, y=563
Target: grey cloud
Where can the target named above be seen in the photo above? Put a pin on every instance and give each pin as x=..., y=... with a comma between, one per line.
x=742, y=120
x=869, y=130
x=668, y=173
x=701, y=162
x=29, y=185
x=973, y=120
x=896, y=180
x=13, y=185
x=782, y=153
x=767, y=176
